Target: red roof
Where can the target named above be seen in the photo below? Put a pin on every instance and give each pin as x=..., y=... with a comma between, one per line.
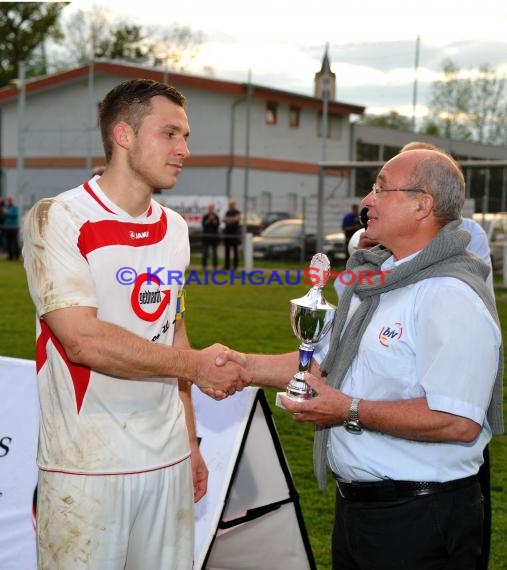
x=179, y=80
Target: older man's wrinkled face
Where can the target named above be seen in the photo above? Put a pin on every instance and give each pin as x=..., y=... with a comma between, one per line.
x=392, y=205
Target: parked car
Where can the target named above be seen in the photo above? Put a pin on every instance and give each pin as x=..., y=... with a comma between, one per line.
x=272, y=217
x=285, y=239
x=334, y=247
x=253, y=223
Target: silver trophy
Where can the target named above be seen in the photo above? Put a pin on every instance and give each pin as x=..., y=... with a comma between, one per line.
x=311, y=317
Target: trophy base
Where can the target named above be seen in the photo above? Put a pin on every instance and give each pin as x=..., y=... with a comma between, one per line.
x=278, y=400
x=298, y=389
x=279, y=403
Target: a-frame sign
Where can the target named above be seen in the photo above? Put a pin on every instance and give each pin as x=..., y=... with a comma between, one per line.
x=250, y=518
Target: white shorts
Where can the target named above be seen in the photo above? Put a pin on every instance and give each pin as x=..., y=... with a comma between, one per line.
x=116, y=522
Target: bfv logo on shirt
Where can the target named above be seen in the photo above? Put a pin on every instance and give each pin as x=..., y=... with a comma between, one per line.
x=390, y=334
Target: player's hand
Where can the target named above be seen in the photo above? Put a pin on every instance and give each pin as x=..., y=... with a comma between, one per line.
x=199, y=474
x=219, y=381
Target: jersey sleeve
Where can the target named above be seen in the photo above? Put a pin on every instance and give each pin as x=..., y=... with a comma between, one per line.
x=58, y=275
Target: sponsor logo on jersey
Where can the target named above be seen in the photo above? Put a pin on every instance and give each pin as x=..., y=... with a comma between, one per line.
x=139, y=235
x=144, y=296
x=391, y=334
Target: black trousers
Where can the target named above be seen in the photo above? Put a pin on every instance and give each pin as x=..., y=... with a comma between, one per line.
x=12, y=243
x=430, y=532
x=208, y=245
x=485, y=482
x=231, y=242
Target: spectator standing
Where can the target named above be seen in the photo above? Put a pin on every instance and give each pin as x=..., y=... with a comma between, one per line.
x=2, y=234
x=11, y=228
x=210, y=237
x=232, y=237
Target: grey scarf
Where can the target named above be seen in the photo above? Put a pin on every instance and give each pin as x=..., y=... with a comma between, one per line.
x=445, y=256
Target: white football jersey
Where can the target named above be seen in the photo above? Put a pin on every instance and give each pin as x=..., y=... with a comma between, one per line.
x=80, y=249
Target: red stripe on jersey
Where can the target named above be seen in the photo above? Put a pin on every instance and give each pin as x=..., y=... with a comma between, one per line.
x=88, y=188
x=95, y=235
x=80, y=375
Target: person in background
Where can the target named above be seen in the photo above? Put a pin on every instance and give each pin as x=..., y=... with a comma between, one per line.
x=409, y=391
x=350, y=224
x=11, y=228
x=210, y=237
x=232, y=220
x=119, y=462
x=3, y=247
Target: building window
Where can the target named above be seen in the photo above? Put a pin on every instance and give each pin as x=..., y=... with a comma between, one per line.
x=292, y=202
x=266, y=200
x=294, y=114
x=334, y=126
x=271, y=112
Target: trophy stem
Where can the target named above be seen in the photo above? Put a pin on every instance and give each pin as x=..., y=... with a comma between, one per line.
x=305, y=356
x=298, y=389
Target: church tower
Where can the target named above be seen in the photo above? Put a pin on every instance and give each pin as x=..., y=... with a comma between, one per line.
x=323, y=77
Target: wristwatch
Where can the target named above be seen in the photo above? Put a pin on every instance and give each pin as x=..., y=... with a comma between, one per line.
x=352, y=424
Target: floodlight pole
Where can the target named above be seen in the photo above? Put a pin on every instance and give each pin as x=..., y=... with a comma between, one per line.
x=20, y=162
x=414, y=95
x=246, y=257
x=326, y=80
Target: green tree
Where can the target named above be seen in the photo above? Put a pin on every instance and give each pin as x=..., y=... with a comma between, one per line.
x=391, y=120
x=468, y=105
x=24, y=29
x=125, y=42
x=176, y=48
x=99, y=33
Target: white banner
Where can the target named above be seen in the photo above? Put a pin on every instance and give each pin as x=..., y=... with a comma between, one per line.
x=250, y=491
x=19, y=420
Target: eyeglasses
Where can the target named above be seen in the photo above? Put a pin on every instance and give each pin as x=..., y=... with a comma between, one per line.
x=376, y=190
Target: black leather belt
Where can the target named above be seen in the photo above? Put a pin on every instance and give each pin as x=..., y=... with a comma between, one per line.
x=390, y=490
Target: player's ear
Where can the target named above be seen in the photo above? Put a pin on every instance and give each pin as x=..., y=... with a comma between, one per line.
x=123, y=135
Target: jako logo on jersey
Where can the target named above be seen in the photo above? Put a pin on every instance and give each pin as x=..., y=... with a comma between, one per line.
x=148, y=297
x=390, y=335
x=139, y=235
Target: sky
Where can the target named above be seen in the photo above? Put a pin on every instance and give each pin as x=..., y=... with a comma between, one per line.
x=372, y=43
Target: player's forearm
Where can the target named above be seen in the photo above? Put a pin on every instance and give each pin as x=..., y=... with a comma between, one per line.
x=115, y=351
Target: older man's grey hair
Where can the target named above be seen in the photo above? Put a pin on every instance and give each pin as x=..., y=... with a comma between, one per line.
x=440, y=176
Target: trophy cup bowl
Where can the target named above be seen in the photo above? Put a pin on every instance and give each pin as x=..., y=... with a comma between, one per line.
x=311, y=317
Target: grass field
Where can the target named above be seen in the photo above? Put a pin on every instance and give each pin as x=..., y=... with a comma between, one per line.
x=256, y=319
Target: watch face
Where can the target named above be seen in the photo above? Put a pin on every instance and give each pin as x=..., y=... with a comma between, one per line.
x=353, y=427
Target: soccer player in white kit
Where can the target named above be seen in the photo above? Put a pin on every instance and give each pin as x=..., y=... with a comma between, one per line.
x=119, y=463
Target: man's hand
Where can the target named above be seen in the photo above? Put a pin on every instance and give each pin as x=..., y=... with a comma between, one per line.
x=219, y=381
x=230, y=355
x=329, y=407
